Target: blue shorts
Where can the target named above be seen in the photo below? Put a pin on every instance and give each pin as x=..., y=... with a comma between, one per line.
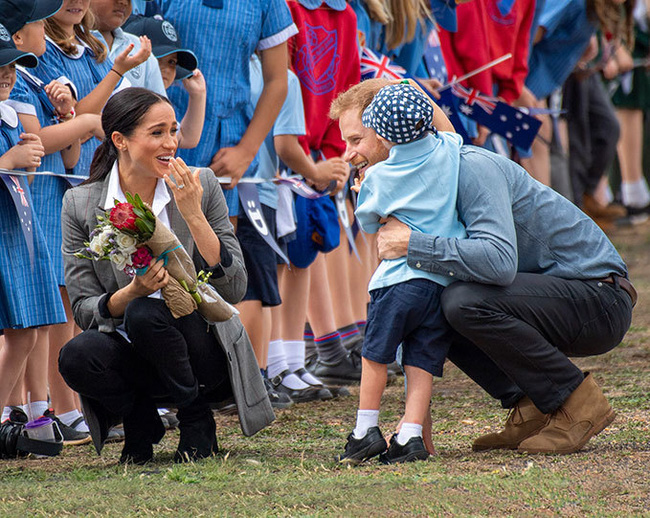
x=409, y=313
x=260, y=259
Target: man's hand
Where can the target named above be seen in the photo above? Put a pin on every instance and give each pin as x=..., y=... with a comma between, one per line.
x=393, y=239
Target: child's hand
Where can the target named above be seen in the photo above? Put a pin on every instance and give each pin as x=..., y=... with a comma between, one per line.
x=232, y=162
x=195, y=84
x=61, y=97
x=333, y=169
x=357, y=185
x=123, y=63
x=27, y=154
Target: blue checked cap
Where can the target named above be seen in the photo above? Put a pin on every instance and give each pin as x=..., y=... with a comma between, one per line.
x=399, y=113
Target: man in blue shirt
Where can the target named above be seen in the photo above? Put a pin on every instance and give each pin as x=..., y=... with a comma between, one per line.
x=540, y=282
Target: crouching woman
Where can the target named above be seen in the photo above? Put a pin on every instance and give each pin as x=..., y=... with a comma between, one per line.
x=133, y=353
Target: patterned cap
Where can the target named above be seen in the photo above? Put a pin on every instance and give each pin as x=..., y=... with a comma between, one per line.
x=399, y=113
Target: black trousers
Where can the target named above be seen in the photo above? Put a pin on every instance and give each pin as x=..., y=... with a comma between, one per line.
x=593, y=132
x=517, y=340
x=168, y=359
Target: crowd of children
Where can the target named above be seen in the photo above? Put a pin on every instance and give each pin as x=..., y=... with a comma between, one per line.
x=259, y=107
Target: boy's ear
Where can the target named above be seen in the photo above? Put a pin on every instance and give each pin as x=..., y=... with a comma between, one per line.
x=387, y=143
x=18, y=38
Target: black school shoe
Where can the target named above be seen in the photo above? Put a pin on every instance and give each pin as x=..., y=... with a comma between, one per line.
x=360, y=450
x=396, y=453
x=71, y=436
x=309, y=393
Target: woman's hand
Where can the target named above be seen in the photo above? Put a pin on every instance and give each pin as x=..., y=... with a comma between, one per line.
x=123, y=63
x=187, y=190
x=155, y=278
x=61, y=97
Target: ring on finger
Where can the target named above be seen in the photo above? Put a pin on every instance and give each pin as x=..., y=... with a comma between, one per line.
x=181, y=186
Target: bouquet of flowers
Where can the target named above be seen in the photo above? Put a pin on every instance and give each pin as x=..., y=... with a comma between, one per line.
x=131, y=237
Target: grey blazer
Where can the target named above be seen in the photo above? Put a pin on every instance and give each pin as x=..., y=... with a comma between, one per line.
x=88, y=282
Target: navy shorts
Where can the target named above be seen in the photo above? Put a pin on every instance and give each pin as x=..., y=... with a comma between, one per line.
x=260, y=259
x=408, y=313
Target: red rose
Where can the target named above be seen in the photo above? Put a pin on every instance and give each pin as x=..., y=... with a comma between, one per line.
x=142, y=257
x=122, y=217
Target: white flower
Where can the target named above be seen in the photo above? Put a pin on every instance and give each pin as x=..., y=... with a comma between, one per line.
x=96, y=245
x=125, y=242
x=120, y=260
x=105, y=235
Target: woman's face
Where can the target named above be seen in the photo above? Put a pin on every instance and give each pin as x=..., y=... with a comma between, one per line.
x=110, y=14
x=153, y=143
x=167, y=66
x=7, y=80
x=33, y=38
x=71, y=13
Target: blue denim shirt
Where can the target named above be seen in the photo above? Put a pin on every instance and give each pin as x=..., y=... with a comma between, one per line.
x=514, y=224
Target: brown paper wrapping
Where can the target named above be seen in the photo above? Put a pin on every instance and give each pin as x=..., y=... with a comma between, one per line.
x=181, y=268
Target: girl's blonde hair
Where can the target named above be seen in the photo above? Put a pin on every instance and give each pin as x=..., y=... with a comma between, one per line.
x=405, y=16
x=614, y=18
x=81, y=31
x=377, y=11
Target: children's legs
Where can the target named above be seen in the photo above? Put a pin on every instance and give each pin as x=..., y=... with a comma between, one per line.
x=258, y=330
x=338, y=276
x=18, y=344
x=539, y=165
x=373, y=382
x=35, y=388
x=319, y=308
x=359, y=278
x=634, y=188
x=294, y=292
x=419, y=385
x=63, y=397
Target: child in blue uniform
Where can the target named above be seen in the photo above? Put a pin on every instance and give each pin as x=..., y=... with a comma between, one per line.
x=74, y=53
x=29, y=296
x=417, y=184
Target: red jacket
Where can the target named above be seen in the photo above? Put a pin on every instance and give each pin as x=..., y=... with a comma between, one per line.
x=325, y=57
x=510, y=32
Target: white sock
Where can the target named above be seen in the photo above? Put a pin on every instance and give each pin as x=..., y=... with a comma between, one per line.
x=366, y=419
x=294, y=382
x=37, y=408
x=635, y=194
x=408, y=430
x=277, y=360
x=5, y=414
x=294, y=352
x=70, y=417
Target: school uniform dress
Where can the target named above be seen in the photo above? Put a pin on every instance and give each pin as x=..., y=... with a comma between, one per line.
x=29, y=295
x=29, y=98
x=85, y=73
x=405, y=301
x=223, y=39
x=145, y=75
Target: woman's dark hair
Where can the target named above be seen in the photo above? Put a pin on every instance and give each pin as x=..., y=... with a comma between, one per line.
x=122, y=113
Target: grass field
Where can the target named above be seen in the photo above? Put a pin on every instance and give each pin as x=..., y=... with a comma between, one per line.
x=288, y=469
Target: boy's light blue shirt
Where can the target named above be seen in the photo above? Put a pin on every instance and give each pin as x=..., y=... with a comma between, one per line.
x=290, y=121
x=417, y=184
x=147, y=74
x=514, y=224
x=567, y=35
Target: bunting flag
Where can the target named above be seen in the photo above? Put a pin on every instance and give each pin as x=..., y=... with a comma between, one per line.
x=19, y=191
x=250, y=201
x=511, y=123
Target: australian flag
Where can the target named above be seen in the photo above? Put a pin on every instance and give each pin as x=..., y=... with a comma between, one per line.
x=19, y=191
x=514, y=125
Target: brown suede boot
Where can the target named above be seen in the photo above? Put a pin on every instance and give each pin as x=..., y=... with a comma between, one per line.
x=523, y=421
x=584, y=414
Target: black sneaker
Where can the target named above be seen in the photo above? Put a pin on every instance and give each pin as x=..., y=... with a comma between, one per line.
x=71, y=436
x=360, y=450
x=345, y=371
x=278, y=400
x=335, y=391
x=309, y=393
x=396, y=453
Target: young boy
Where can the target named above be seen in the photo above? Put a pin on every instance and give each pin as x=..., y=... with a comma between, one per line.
x=418, y=185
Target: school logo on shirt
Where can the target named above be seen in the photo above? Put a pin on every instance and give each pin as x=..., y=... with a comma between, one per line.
x=4, y=33
x=317, y=62
x=501, y=11
x=136, y=72
x=169, y=31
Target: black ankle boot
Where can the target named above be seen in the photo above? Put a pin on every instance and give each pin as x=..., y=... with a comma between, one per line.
x=198, y=432
x=142, y=429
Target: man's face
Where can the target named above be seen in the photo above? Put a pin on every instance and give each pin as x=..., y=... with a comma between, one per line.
x=362, y=146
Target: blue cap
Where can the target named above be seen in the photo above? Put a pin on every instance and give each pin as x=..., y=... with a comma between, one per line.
x=317, y=230
x=399, y=113
x=444, y=11
x=15, y=14
x=10, y=54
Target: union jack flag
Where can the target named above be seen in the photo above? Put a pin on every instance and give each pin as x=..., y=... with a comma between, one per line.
x=472, y=96
x=376, y=65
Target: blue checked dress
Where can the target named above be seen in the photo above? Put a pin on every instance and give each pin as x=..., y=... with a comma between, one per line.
x=223, y=39
x=29, y=295
x=85, y=74
x=29, y=98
